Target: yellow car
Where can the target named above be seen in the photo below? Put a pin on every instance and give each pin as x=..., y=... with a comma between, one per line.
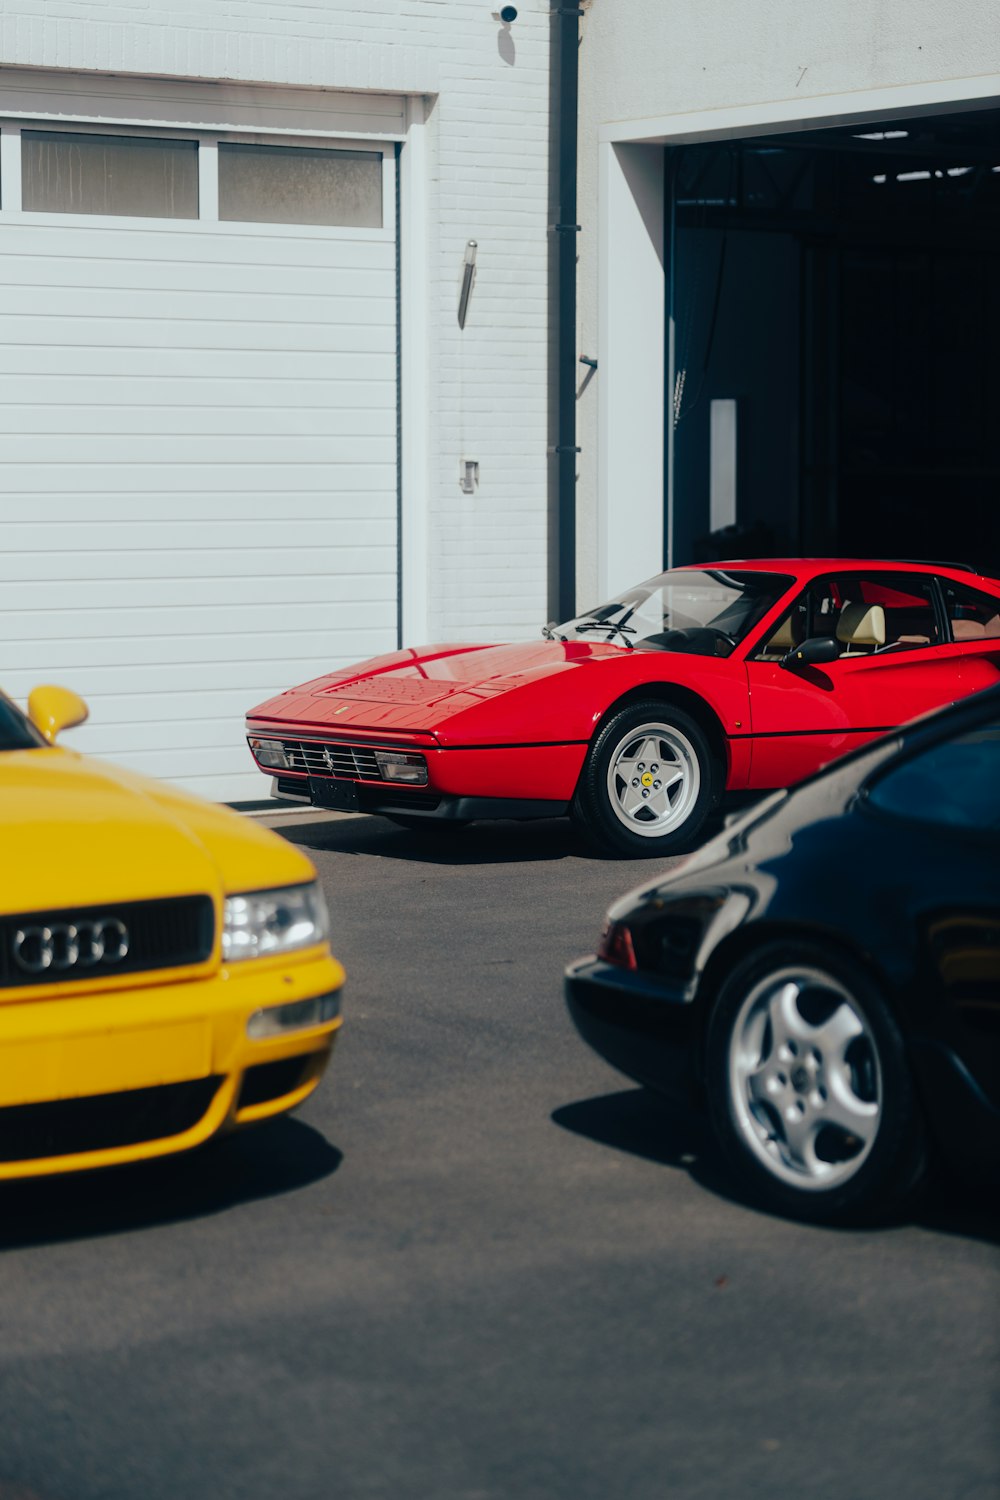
x=164, y=966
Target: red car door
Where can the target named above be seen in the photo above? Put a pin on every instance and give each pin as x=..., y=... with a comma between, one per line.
x=901, y=664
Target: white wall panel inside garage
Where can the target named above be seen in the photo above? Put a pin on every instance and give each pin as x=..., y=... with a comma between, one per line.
x=198, y=488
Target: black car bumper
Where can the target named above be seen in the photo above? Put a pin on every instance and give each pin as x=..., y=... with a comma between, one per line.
x=644, y=1029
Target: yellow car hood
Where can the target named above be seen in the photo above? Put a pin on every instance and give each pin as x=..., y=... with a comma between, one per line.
x=75, y=831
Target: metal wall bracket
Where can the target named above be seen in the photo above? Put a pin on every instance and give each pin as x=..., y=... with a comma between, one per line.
x=468, y=277
x=468, y=478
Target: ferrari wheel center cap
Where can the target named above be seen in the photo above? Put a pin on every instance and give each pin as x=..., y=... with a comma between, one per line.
x=647, y=779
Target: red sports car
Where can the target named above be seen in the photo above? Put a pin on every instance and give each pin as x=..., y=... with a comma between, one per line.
x=636, y=716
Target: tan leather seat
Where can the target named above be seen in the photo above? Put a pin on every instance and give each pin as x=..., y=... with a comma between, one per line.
x=782, y=640
x=968, y=630
x=861, y=628
x=976, y=630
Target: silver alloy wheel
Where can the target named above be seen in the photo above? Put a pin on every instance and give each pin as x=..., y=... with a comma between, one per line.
x=654, y=777
x=806, y=1091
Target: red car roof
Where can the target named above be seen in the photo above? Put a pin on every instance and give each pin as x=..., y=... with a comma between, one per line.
x=812, y=567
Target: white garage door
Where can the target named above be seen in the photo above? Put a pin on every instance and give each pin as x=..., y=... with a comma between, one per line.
x=198, y=412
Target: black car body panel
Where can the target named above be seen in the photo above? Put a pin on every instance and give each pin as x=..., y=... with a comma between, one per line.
x=914, y=899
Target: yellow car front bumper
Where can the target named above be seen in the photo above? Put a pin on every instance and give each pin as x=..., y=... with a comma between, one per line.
x=98, y=1077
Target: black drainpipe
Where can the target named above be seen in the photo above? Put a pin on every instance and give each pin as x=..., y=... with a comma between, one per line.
x=566, y=230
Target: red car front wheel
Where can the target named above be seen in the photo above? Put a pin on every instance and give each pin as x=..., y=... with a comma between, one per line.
x=648, y=783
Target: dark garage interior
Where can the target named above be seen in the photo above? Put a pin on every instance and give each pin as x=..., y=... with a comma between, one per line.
x=843, y=288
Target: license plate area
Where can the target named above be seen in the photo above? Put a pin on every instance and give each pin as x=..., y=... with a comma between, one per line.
x=342, y=795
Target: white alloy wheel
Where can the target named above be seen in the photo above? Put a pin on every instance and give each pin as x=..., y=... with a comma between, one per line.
x=653, y=779
x=804, y=1078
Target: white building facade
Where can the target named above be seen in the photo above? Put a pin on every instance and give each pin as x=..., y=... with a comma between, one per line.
x=243, y=436
x=788, y=262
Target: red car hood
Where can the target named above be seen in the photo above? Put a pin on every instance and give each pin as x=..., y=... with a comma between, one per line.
x=427, y=691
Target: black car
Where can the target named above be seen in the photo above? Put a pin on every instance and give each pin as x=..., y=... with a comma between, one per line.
x=825, y=974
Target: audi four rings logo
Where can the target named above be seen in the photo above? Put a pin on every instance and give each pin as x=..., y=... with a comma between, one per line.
x=70, y=945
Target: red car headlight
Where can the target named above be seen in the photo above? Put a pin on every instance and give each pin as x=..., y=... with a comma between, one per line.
x=270, y=753
x=401, y=765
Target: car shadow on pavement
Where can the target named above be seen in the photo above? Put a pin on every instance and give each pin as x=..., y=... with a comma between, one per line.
x=644, y=1124
x=273, y=1158
x=443, y=844
x=503, y=841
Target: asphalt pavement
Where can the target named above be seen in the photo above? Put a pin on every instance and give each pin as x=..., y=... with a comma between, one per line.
x=479, y=1264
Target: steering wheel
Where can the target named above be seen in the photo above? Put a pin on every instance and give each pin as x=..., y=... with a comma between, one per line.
x=677, y=639
x=717, y=636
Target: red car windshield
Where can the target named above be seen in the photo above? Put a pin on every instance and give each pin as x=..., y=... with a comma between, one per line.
x=705, y=612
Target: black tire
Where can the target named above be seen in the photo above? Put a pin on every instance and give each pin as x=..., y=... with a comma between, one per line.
x=663, y=824
x=772, y=1112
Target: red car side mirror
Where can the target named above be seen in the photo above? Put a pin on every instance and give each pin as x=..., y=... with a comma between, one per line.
x=815, y=652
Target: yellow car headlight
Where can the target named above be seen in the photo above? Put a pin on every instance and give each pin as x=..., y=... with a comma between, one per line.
x=259, y=924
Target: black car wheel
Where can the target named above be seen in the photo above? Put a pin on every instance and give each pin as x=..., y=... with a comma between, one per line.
x=648, y=783
x=808, y=1087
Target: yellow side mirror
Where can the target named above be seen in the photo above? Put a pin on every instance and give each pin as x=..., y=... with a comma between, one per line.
x=52, y=709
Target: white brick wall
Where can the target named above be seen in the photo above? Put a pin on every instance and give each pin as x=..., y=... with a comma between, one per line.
x=490, y=392
x=488, y=152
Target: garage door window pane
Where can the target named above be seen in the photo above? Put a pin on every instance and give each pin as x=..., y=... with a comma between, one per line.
x=299, y=185
x=139, y=176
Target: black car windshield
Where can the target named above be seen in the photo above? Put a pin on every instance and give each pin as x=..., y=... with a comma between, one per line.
x=706, y=612
x=16, y=732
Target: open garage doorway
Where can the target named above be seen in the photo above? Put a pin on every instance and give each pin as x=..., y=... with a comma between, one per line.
x=835, y=380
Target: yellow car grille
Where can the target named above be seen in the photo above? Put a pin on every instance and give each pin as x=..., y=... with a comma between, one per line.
x=53, y=947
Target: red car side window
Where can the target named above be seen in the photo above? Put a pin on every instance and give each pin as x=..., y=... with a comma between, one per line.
x=904, y=603
x=972, y=614
x=873, y=592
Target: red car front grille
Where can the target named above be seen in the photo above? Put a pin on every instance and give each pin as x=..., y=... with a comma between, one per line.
x=346, y=762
